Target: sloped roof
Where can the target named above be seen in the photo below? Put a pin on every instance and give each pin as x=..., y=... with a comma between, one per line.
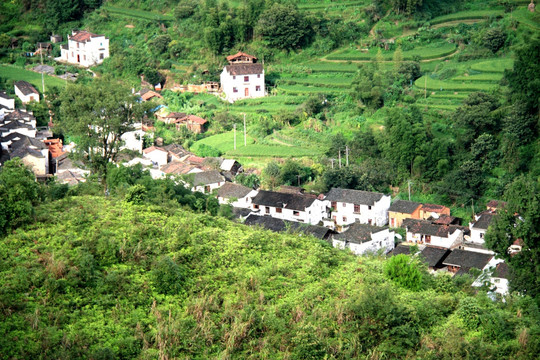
x=434, y=256
x=444, y=220
x=279, y=225
x=23, y=151
x=496, y=204
x=196, y=119
x=281, y=200
x=484, y=221
x=230, y=190
x=19, y=114
x=359, y=233
x=177, y=168
x=401, y=249
x=176, y=115
x=176, y=149
x=4, y=95
x=14, y=136
x=83, y=36
x=207, y=177
x=227, y=164
x=426, y=227
x=434, y=208
x=239, y=54
x=404, y=206
x=501, y=271
x=153, y=148
x=467, y=259
x=244, y=69
x=353, y=196
x=147, y=95
x=25, y=87
x=28, y=142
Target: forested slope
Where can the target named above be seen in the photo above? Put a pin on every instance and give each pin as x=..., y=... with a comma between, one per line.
x=99, y=278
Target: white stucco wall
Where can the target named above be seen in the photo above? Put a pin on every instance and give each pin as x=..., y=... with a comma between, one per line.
x=88, y=52
x=381, y=240
x=158, y=157
x=229, y=82
x=311, y=215
x=446, y=242
x=376, y=214
x=25, y=99
x=243, y=202
x=214, y=186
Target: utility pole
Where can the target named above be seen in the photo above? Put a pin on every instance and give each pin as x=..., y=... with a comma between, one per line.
x=332, y=160
x=409, y=183
x=347, y=155
x=298, y=180
x=339, y=157
x=472, y=206
x=234, y=127
x=425, y=87
x=245, y=134
x=42, y=78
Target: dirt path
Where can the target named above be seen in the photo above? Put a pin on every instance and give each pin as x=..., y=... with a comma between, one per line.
x=455, y=22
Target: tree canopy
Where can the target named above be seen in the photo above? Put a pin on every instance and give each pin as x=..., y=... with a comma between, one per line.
x=96, y=117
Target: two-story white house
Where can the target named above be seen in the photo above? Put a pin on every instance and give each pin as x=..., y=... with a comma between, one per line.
x=243, y=78
x=293, y=207
x=425, y=232
x=479, y=227
x=350, y=206
x=26, y=92
x=363, y=239
x=85, y=49
x=237, y=195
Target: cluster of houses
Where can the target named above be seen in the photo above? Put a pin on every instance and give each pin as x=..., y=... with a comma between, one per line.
x=20, y=137
x=365, y=222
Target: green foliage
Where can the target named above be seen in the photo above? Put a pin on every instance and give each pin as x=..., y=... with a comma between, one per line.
x=283, y=27
x=494, y=39
x=251, y=180
x=18, y=194
x=204, y=150
x=167, y=276
x=405, y=271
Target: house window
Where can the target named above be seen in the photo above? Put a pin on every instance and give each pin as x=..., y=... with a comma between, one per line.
x=234, y=90
x=84, y=57
x=267, y=209
x=296, y=213
x=428, y=239
x=333, y=204
x=234, y=77
x=207, y=189
x=278, y=210
x=256, y=207
x=101, y=56
x=369, y=221
x=369, y=207
x=343, y=204
x=481, y=235
x=344, y=219
x=77, y=45
x=246, y=78
x=258, y=76
x=258, y=88
x=356, y=209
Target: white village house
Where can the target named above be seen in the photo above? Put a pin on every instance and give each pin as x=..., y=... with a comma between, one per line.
x=292, y=207
x=363, y=239
x=205, y=181
x=425, y=232
x=243, y=78
x=157, y=155
x=237, y=195
x=350, y=206
x=7, y=104
x=85, y=49
x=26, y=92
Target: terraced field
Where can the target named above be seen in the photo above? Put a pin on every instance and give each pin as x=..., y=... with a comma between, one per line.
x=431, y=51
x=34, y=78
x=449, y=94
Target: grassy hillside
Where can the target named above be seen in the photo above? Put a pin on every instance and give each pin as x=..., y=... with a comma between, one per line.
x=97, y=278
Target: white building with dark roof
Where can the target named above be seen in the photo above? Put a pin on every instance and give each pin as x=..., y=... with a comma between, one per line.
x=26, y=92
x=362, y=239
x=281, y=225
x=350, y=206
x=292, y=207
x=243, y=78
x=237, y=195
x=85, y=49
x=7, y=104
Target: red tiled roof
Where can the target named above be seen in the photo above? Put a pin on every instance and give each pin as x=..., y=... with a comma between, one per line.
x=238, y=54
x=433, y=208
x=178, y=168
x=195, y=160
x=196, y=119
x=82, y=36
x=150, y=94
x=55, y=147
x=152, y=148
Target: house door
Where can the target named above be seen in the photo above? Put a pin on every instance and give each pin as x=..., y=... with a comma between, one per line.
x=207, y=189
x=78, y=58
x=246, y=91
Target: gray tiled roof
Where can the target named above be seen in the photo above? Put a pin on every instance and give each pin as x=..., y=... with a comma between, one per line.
x=467, y=259
x=279, y=225
x=434, y=256
x=25, y=87
x=282, y=200
x=403, y=206
x=244, y=69
x=359, y=233
x=484, y=221
x=207, y=177
x=353, y=196
x=230, y=190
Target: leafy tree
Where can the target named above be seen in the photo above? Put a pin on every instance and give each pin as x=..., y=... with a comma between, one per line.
x=523, y=79
x=494, y=39
x=271, y=175
x=368, y=86
x=249, y=180
x=97, y=116
x=476, y=116
x=19, y=192
x=283, y=27
x=520, y=221
x=168, y=277
x=160, y=44
x=406, y=6
x=405, y=271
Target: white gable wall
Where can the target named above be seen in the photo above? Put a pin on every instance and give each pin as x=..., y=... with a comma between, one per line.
x=381, y=240
x=230, y=82
x=377, y=214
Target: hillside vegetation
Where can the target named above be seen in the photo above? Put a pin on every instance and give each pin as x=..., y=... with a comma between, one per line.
x=101, y=278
